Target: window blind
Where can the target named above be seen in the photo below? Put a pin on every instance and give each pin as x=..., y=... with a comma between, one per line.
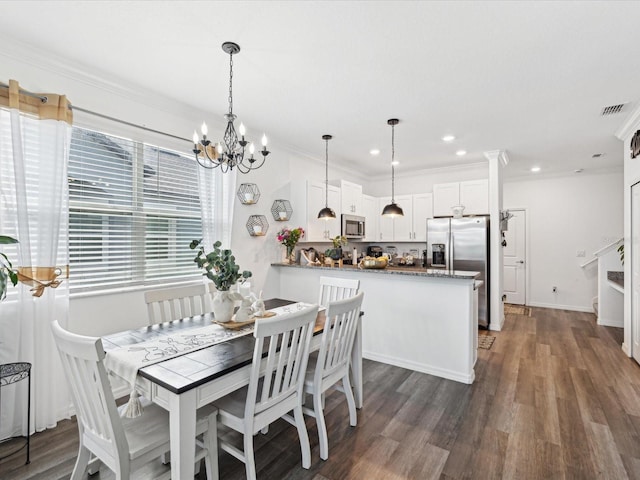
x=133, y=210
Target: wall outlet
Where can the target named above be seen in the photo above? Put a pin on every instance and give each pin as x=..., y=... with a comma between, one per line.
x=554, y=289
x=581, y=253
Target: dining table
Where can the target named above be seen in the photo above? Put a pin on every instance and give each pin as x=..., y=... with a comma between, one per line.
x=186, y=382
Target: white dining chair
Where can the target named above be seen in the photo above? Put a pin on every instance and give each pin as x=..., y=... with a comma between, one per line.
x=331, y=363
x=123, y=445
x=334, y=288
x=174, y=303
x=275, y=384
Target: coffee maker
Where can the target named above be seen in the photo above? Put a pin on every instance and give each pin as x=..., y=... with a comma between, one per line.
x=374, y=251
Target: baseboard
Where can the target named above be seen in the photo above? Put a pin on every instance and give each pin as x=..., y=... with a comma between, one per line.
x=625, y=349
x=420, y=367
x=605, y=322
x=574, y=308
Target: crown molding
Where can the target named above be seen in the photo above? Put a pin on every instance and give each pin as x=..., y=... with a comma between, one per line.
x=545, y=176
x=500, y=155
x=631, y=123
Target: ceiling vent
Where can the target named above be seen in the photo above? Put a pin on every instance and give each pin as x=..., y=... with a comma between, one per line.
x=612, y=109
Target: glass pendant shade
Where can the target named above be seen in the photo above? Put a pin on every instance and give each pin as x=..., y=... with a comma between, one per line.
x=326, y=213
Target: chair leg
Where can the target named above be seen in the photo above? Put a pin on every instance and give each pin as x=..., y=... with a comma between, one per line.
x=249, y=460
x=81, y=463
x=353, y=416
x=322, y=426
x=211, y=442
x=304, y=437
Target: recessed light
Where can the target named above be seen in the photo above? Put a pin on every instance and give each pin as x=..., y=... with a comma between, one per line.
x=448, y=138
x=460, y=153
x=535, y=169
x=395, y=162
x=374, y=151
x=578, y=170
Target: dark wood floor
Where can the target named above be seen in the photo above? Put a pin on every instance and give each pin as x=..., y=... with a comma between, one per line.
x=555, y=397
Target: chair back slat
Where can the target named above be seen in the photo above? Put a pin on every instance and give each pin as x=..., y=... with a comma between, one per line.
x=98, y=420
x=334, y=288
x=289, y=338
x=175, y=303
x=341, y=323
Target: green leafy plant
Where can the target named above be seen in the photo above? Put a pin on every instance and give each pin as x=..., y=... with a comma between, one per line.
x=219, y=265
x=339, y=241
x=7, y=274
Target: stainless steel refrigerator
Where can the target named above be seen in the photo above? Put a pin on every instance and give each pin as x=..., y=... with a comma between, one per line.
x=462, y=244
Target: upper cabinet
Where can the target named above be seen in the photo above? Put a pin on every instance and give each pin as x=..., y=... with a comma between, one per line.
x=473, y=194
x=351, y=198
x=371, y=214
x=410, y=227
x=313, y=199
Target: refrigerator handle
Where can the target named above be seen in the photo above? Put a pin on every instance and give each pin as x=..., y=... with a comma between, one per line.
x=451, y=252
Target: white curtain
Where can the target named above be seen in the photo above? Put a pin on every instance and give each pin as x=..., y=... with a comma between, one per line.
x=34, y=209
x=217, y=200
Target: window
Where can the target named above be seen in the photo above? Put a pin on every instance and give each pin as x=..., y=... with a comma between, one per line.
x=133, y=210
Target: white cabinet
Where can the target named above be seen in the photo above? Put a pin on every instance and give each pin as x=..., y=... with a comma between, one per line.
x=351, y=198
x=371, y=213
x=410, y=227
x=445, y=196
x=473, y=194
x=422, y=209
x=318, y=230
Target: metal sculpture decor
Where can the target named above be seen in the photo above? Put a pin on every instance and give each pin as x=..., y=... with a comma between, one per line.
x=257, y=225
x=230, y=153
x=248, y=193
x=281, y=210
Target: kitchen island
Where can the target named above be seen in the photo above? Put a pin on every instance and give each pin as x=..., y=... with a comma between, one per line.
x=423, y=320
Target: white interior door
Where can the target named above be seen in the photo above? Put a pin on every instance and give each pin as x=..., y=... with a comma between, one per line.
x=515, y=256
x=635, y=271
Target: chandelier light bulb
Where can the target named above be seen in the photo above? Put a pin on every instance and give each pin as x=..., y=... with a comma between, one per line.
x=242, y=130
x=219, y=148
x=264, y=140
x=195, y=138
x=252, y=148
x=204, y=129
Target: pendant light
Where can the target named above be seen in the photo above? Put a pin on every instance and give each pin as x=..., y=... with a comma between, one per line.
x=326, y=213
x=393, y=209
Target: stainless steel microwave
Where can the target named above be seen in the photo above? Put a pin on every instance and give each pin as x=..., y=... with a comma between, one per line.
x=353, y=226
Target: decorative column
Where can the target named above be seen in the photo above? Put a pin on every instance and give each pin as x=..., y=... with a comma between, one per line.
x=498, y=159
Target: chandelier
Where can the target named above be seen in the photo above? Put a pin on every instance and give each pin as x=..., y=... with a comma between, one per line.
x=230, y=152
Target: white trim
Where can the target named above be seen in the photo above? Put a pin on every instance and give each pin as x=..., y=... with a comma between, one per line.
x=594, y=259
x=426, y=171
x=421, y=367
x=630, y=123
x=501, y=155
x=555, y=306
x=626, y=350
x=545, y=176
x=608, y=248
x=604, y=322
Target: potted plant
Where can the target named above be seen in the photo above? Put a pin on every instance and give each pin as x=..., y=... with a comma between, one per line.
x=220, y=267
x=7, y=274
x=289, y=238
x=339, y=241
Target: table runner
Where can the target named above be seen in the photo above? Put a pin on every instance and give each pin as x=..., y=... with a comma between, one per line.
x=126, y=361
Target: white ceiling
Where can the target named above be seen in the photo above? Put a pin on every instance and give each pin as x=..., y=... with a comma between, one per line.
x=527, y=77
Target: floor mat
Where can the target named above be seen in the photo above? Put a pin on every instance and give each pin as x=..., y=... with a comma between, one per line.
x=517, y=310
x=485, y=341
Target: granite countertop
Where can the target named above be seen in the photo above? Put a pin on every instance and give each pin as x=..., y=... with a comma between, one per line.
x=411, y=271
x=616, y=277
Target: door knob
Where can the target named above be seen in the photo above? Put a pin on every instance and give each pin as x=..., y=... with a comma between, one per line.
x=520, y=261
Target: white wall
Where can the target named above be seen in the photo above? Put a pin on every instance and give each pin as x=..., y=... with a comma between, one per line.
x=564, y=215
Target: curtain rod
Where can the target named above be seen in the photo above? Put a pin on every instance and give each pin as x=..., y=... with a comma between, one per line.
x=44, y=99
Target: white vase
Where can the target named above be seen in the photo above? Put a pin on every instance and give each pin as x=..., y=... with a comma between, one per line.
x=223, y=305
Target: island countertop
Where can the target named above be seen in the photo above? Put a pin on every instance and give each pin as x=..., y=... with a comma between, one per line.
x=391, y=270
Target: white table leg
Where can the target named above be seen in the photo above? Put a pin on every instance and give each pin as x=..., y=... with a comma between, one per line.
x=356, y=365
x=182, y=422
